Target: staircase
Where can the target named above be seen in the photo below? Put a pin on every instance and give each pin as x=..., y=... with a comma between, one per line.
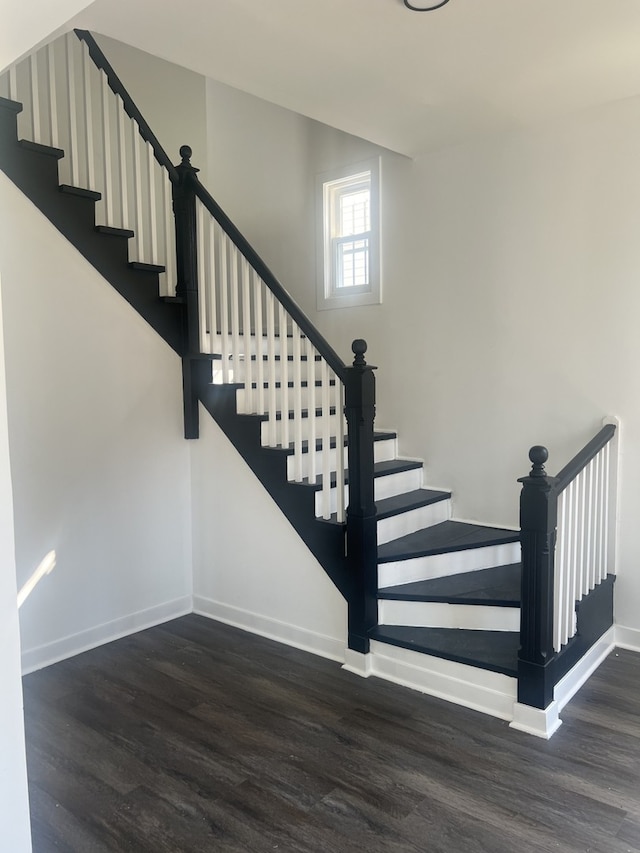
x=446, y=596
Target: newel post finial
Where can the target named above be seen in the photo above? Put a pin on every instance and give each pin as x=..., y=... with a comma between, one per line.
x=358, y=348
x=538, y=455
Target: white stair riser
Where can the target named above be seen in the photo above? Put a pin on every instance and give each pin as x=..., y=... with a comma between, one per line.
x=305, y=429
x=239, y=372
x=426, y=614
x=489, y=692
x=384, y=451
x=247, y=402
x=254, y=345
x=392, y=484
x=415, y=519
x=443, y=565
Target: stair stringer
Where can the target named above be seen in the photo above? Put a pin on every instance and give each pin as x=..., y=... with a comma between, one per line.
x=325, y=540
x=34, y=170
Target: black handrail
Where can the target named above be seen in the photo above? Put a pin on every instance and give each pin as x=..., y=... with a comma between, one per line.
x=131, y=109
x=582, y=459
x=306, y=326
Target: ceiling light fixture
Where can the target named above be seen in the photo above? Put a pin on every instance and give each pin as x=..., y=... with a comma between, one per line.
x=424, y=8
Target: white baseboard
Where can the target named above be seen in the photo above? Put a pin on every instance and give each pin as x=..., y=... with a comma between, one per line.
x=627, y=638
x=535, y=721
x=357, y=663
x=283, y=632
x=75, y=644
x=488, y=692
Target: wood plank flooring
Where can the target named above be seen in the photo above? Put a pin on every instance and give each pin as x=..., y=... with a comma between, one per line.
x=195, y=736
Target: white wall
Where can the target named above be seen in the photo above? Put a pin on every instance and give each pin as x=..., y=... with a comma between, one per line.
x=510, y=289
x=250, y=568
x=171, y=99
x=27, y=24
x=14, y=804
x=100, y=466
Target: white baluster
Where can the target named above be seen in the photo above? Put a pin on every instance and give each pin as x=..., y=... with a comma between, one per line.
x=202, y=260
x=73, y=113
x=245, y=276
x=559, y=597
x=137, y=192
x=257, y=292
x=284, y=378
x=123, y=161
x=88, y=117
x=235, y=313
x=339, y=406
x=107, y=190
x=212, y=320
x=13, y=82
x=169, y=233
x=153, y=211
x=297, y=403
x=597, y=526
x=35, y=98
x=53, y=97
x=311, y=395
x=224, y=305
x=605, y=503
x=588, y=554
x=271, y=356
x=326, y=441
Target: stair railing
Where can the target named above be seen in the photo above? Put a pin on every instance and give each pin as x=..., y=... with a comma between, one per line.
x=74, y=101
x=568, y=540
x=237, y=314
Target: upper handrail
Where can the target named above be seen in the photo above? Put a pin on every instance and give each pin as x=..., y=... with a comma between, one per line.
x=130, y=107
x=582, y=459
x=286, y=300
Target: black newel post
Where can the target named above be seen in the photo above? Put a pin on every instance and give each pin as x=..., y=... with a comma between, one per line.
x=362, y=540
x=538, y=521
x=184, y=208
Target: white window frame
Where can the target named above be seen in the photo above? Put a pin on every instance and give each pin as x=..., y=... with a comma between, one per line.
x=328, y=189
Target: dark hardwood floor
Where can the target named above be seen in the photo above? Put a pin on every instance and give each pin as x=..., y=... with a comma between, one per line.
x=194, y=736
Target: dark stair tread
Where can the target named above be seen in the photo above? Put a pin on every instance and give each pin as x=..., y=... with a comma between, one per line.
x=290, y=384
x=80, y=191
x=111, y=231
x=498, y=587
x=13, y=106
x=380, y=469
x=496, y=651
x=277, y=357
x=49, y=150
x=140, y=265
x=444, y=538
x=377, y=436
x=388, y=507
x=304, y=413
x=180, y=300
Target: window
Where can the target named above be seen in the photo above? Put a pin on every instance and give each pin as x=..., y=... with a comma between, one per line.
x=349, y=259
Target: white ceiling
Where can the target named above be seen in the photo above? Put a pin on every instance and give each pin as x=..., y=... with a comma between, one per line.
x=409, y=81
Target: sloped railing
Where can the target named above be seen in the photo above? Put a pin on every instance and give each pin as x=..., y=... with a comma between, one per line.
x=237, y=314
x=568, y=550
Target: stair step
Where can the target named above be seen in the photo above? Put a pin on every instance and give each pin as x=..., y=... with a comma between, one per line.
x=380, y=469
x=496, y=651
x=110, y=231
x=498, y=587
x=57, y=153
x=81, y=192
x=12, y=106
x=377, y=436
x=444, y=538
x=140, y=265
x=397, y=504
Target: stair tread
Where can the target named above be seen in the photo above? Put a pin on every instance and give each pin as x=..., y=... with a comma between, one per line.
x=377, y=436
x=407, y=501
x=497, y=587
x=111, y=231
x=380, y=469
x=39, y=148
x=493, y=650
x=443, y=538
x=82, y=192
x=144, y=267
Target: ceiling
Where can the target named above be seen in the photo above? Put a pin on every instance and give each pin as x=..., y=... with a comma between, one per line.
x=406, y=80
